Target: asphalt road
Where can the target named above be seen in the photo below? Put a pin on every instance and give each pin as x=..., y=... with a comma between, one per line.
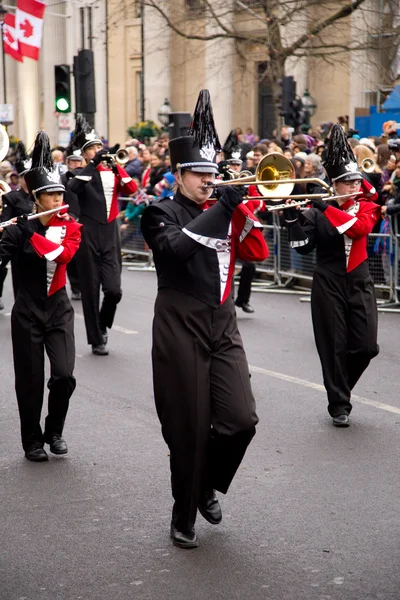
x=313, y=513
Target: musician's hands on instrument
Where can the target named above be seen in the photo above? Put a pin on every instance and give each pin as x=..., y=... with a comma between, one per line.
x=291, y=214
x=318, y=203
x=99, y=157
x=232, y=196
x=25, y=226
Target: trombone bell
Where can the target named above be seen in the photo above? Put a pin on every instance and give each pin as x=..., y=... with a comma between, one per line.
x=272, y=167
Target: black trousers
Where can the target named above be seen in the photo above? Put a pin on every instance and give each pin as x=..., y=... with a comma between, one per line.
x=345, y=322
x=3, y=275
x=73, y=276
x=203, y=396
x=246, y=277
x=99, y=264
x=34, y=329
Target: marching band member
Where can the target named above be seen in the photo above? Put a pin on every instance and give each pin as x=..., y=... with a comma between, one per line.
x=42, y=317
x=74, y=161
x=16, y=203
x=200, y=372
x=343, y=303
x=233, y=162
x=99, y=258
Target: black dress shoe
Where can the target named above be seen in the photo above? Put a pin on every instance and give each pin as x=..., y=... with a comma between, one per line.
x=341, y=421
x=245, y=306
x=210, y=508
x=99, y=350
x=36, y=453
x=76, y=296
x=58, y=445
x=184, y=540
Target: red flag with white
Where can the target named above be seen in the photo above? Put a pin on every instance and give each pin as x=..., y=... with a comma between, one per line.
x=29, y=23
x=10, y=37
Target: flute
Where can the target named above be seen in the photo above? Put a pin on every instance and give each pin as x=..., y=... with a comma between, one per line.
x=34, y=216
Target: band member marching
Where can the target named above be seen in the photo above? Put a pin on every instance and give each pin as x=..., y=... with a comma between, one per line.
x=233, y=163
x=42, y=317
x=99, y=258
x=343, y=304
x=16, y=203
x=200, y=372
x=73, y=161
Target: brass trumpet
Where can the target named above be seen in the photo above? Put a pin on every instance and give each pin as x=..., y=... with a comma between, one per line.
x=121, y=157
x=368, y=165
x=275, y=179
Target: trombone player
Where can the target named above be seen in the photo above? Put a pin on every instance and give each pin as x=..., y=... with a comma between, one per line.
x=343, y=304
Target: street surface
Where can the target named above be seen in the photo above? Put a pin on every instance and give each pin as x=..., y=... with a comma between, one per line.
x=313, y=513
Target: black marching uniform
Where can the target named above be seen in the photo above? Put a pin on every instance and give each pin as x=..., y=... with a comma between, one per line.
x=343, y=304
x=15, y=204
x=72, y=200
x=42, y=317
x=99, y=257
x=200, y=372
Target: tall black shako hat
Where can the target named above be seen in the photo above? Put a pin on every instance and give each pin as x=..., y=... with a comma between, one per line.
x=22, y=161
x=340, y=162
x=84, y=135
x=43, y=176
x=231, y=149
x=197, y=150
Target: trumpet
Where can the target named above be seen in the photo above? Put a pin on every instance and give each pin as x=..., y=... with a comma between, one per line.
x=275, y=179
x=34, y=216
x=121, y=157
x=368, y=165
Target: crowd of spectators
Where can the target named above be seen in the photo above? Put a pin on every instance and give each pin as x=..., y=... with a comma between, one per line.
x=149, y=165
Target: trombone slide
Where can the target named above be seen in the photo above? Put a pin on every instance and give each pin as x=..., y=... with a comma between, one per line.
x=303, y=202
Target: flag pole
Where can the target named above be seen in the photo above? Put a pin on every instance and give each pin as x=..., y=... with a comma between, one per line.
x=3, y=52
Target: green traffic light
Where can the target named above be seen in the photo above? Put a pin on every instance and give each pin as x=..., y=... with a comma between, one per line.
x=62, y=104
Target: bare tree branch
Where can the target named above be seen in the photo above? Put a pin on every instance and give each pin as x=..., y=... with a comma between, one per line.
x=345, y=11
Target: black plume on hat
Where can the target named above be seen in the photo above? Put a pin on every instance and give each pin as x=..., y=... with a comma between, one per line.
x=231, y=148
x=202, y=127
x=231, y=142
x=340, y=162
x=83, y=134
x=41, y=155
x=43, y=176
x=22, y=162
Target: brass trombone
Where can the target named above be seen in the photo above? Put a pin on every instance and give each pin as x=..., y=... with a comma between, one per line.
x=275, y=179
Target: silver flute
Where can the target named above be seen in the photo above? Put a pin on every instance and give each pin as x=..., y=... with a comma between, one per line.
x=33, y=216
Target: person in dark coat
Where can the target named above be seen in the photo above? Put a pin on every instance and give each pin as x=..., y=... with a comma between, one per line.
x=200, y=372
x=42, y=318
x=343, y=303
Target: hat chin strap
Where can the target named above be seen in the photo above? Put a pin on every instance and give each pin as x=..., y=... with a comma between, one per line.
x=185, y=191
x=37, y=202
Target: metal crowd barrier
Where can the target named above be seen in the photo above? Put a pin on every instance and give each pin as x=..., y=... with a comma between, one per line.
x=284, y=268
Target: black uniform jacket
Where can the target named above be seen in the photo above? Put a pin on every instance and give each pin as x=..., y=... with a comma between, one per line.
x=195, y=250
x=15, y=204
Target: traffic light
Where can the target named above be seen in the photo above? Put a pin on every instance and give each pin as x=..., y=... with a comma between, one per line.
x=85, y=93
x=286, y=95
x=297, y=114
x=62, y=78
